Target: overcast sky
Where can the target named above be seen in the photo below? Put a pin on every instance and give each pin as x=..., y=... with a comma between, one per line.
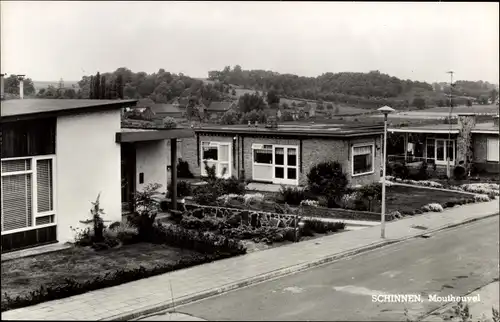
x=418, y=41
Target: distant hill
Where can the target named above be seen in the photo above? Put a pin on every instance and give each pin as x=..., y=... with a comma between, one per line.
x=366, y=90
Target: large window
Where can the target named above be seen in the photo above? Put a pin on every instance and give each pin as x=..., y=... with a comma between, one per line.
x=216, y=154
x=28, y=138
x=27, y=193
x=492, y=149
x=444, y=149
x=362, y=159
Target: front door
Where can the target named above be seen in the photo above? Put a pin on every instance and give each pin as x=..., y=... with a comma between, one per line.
x=285, y=167
x=128, y=155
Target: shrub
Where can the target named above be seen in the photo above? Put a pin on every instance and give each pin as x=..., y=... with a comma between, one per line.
x=327, y=179
x=205, y=195
x=400, y=171
x=434, y=207
x=323, y=227
x=291, y=195
x=422, y=173
x=206, y=223
x=146, y=208
x=310, y=203
x=231, y=186
x=201, y=241
x=183, y=170
x=481, y=198
x=459, y=172
x=183, y=189
x=371, y=192
x=98, y=223
x=124, y=232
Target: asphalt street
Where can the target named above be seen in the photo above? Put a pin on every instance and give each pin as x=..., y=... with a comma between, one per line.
x=452, y=262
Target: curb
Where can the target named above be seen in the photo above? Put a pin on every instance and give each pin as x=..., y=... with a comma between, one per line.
x=279, y=273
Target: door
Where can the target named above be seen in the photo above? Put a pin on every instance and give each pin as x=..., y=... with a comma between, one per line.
x=444, y=149
x=128, y=155
x=285, y=169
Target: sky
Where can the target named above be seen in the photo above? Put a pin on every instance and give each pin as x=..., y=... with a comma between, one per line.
x=49, y=40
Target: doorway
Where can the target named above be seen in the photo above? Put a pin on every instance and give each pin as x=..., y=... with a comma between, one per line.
x=128, y=175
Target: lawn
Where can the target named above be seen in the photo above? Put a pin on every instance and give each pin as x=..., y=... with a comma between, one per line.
x=20, y=276
x=401, y=198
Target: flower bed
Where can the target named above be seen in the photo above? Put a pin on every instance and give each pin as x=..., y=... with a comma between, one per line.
x=263, y=227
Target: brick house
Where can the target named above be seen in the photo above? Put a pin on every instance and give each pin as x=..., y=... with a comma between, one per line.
x=466, y=141
x=284, y=155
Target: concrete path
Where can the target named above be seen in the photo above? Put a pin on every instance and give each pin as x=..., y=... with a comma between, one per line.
x=149, y=295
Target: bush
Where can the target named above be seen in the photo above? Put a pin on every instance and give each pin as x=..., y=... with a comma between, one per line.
x=459, y=172
x=206, y=223
x=323, y=227
x=400, y=171
x=291, y=195
x=146, y=208
x=434, y=207
x=205, y=195
x=183, y=189
x=327, y=179
x=422, y=173
x=231, y=186
x=124, y=232
x=370, y=193
x=183, y=170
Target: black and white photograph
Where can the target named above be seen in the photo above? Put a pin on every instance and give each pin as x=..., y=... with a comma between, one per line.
x=250, y=161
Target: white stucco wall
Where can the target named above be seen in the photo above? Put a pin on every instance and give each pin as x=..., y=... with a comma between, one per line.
x=88, y=163
x=151, y=159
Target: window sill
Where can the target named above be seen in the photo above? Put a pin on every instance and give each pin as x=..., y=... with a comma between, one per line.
x=362, y=174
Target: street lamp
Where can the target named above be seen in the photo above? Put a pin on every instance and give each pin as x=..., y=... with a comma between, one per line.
x=385, y=110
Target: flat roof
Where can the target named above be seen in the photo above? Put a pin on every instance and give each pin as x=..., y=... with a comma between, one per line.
x=486, y=127
x=138, y=135
x=18, y=109
x=308, y=130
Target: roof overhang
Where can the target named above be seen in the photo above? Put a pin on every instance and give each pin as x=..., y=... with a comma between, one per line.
x=153, y=135
x=290, y=134
x=430, y=131
x=485, y=132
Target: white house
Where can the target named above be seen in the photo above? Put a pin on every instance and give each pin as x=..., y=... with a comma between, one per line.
x=58, y=155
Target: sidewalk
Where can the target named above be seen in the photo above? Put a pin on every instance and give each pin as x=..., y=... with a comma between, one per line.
x=127, y=301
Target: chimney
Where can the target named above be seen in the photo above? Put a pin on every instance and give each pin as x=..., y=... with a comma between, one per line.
x=1, y=86
x=466, y=118
x=21, y=86
x=495, y=120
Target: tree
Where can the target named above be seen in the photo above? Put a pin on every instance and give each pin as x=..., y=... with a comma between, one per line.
x=103, y=91
x=145, y=102
x=97, y=86
x=233, y=92
x=493, y=95
x=230, y=117
x=469, y=103
x=419, y=103
x=69, y=93
x=272, y=97
x=250, y=102
x=11, y=86
x=329, y=106
x=327, y=179
x=119, y=86
x=254, y=116
x=337, y=110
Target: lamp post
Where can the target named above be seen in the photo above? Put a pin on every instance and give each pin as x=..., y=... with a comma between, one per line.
x=385, y=110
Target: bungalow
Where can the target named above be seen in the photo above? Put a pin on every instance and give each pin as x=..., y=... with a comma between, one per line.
x=285, y=154
x=466, y=141
x=58, y=155
x=217, y=109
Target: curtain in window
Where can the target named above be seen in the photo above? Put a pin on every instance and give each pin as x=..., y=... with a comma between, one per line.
x=16, y=202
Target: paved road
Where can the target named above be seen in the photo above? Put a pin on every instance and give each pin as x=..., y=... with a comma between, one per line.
x=450, y=262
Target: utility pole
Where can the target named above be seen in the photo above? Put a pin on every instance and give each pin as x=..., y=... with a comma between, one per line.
x=448, y=168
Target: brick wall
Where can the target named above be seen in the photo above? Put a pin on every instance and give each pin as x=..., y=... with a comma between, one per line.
x=313, y=152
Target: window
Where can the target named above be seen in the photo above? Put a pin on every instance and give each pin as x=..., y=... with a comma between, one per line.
x=264, y=155
x=362, y=159
x=492, y=149
x=216, y=154
x=27, y=193
x=444, y=149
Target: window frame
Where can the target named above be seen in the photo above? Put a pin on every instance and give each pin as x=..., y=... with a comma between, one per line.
x=34, y=192
x=360, y=145
x=218, y=162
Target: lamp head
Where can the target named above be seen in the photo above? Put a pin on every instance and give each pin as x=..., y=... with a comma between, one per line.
x=386, y=110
